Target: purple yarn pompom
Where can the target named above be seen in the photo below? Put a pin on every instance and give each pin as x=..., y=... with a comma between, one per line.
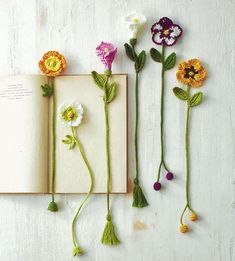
x=157, y=186
x=169, y=176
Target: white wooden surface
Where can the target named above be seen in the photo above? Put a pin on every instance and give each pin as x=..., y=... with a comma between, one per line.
x=29, y=232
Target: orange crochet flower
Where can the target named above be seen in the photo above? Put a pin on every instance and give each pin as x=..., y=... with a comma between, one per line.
x=191, y=72
x=52, y=63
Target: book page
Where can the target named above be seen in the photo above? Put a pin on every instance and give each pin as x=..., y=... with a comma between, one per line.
x=71, y=172
x=23, y=135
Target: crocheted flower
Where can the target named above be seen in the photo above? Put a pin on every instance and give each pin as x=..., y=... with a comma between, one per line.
x=71, y=114
x=165, y=32
x=135, y=21
x=52, y=63
x=191, y=72
x=106, y=52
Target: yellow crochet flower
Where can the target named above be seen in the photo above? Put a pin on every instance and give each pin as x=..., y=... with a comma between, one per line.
x=52, y=63
x=191, y=72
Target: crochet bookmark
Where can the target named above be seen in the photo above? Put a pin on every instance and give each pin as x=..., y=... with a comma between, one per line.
x=52, y=64
x=135, y=22
x=107, y=52
x=192, y=74
x=71, y=114
x=164, y=33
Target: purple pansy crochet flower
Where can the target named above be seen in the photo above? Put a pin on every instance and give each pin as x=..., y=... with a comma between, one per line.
x=165, y=32
x=106, y=52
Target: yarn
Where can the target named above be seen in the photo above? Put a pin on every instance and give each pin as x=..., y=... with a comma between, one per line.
x=139, y=199
x=167, y=64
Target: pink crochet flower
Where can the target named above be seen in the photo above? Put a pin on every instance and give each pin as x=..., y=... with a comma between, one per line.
x=165, y=32
x=106, y=52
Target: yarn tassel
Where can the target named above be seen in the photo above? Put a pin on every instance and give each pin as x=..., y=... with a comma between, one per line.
x=77, y=251
x=52, y=206
x=139, y=200
x=109, y=236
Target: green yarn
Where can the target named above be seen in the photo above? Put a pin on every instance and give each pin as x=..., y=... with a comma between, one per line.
x=133, y=42
x=139, y=200
x=109, y=236
x=52, y=206
x=187, y=147
x=162, y=161
x=53, y=145
x=179, y=92
x=49, y=91
x=77, y=250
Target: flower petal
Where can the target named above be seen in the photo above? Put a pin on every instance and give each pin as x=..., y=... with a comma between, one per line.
x=180, y=75
x=201, y=75
x=135, y=18
x=157, y=39
x=165, y=22
x=76, y=122
x=176, y=31
x=156, y=27
x=169, y=41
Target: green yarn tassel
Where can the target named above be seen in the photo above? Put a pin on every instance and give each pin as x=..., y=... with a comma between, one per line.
x=139, y=200
x=77, y=251
x=52, y=206
x=109, y=236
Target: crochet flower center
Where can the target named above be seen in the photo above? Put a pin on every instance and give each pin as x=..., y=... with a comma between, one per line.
x=69, y=114
x=106, y=50
x=53, y=63
x=166, y=32
x=136, y=20
x=190, y=72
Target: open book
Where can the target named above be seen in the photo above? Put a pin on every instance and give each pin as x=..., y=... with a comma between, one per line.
x=25, y=136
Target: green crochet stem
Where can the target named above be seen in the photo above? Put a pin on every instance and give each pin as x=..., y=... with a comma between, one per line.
x=139, y=199
x=162, y=162
x=109, y=236
x=187, y=157
x=108, y=169
x=136, y=126
x=77, y=250
x=52, y=205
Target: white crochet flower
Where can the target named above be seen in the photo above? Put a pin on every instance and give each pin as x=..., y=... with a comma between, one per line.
x=135, y=22
x=70, y=114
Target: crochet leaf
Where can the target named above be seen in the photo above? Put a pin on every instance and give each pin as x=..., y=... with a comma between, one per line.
x=170, y=61
x=111, y=92
x=47, y=90
x=130, y=52
x=155, y=55
x=140, y=61
x=98, y=79
x=69, y=141
x=180, y=93
x=196, y=99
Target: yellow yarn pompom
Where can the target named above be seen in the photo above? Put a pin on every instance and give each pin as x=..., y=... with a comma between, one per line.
x=183, y=228
x=193, y=216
